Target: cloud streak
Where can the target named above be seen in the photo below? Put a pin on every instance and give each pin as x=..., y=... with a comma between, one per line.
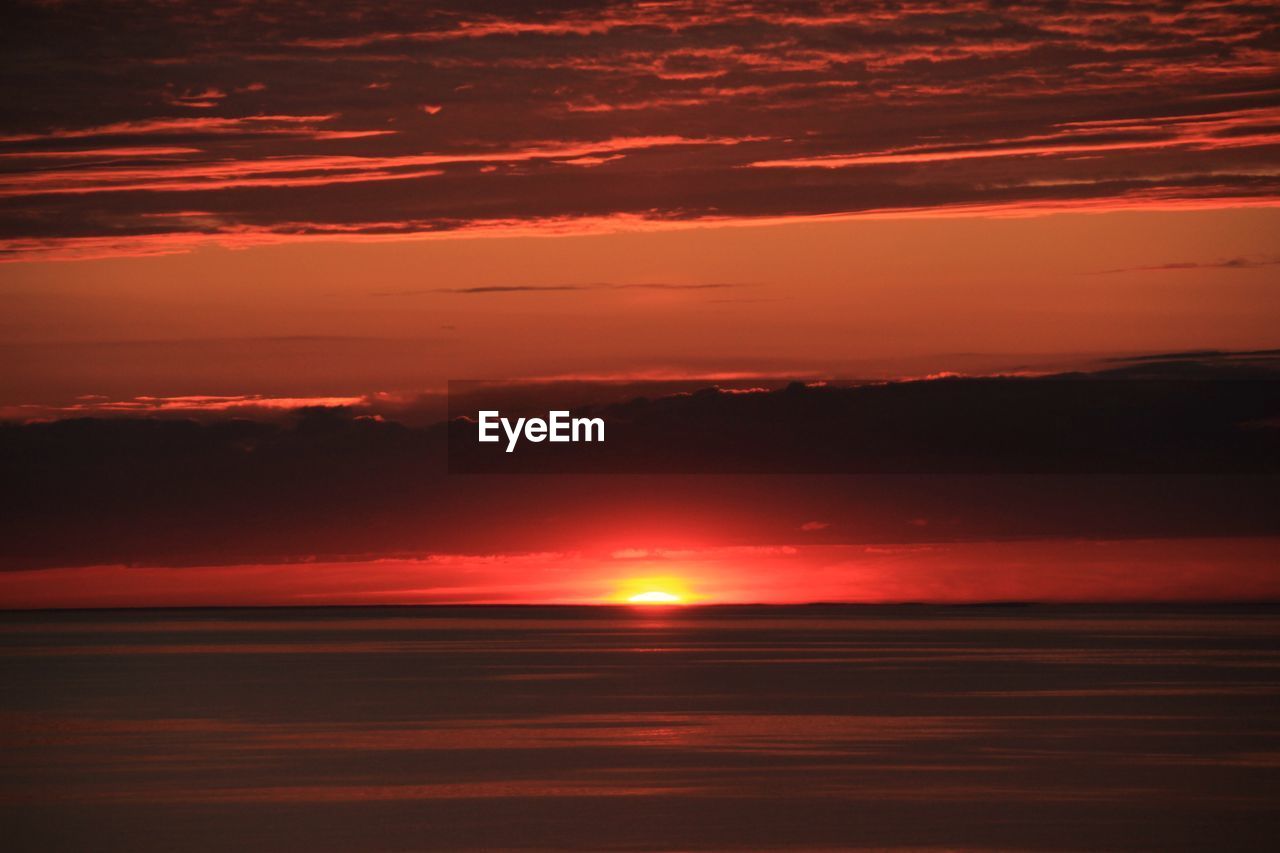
x=1179, y=266
x=558, y=288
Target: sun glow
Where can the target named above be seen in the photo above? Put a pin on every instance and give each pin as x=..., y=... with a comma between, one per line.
x=655, y=596
x=654, y=590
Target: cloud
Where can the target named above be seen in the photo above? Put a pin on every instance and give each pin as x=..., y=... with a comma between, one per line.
x=98, y=405
x=376, y=121
x=1227, y=264
x=1208, y=356
x=556, y=288
x=188, y=174
x=981, y=457
x=1255, y=127
x=204, y=126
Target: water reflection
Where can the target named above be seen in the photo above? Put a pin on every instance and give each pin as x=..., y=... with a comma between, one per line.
x=707, y=728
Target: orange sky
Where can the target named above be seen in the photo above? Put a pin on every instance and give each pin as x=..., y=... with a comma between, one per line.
x=851, y=298
x=303, y=205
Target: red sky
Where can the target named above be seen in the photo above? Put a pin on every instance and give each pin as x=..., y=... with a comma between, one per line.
x=1051, y=570
x=353, y=203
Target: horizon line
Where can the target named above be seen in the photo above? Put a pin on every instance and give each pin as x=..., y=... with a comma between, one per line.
x=663, y=608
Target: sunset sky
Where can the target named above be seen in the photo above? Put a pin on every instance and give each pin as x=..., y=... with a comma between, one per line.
x=243, y=211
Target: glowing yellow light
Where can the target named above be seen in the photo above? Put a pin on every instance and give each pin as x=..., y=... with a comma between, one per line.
x=655, y=597
x=651, y=589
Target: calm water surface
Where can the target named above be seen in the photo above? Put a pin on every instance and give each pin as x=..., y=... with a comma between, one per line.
x=811, y=728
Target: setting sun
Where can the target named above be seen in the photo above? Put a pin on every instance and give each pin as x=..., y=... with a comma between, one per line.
x=655, y=597
x=654, y=590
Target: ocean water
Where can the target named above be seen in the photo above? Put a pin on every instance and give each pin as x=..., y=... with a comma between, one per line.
x=725, y=728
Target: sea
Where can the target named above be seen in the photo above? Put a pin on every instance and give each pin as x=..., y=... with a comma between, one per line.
x=821, y=727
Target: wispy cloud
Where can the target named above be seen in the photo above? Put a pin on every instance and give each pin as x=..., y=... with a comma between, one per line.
x=192, y=174
x=557, y=288
x=1233, y=129
x=1178, y=266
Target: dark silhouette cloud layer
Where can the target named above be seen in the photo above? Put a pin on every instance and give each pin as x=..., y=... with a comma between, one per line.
x=1177, y=446
x=245, y=123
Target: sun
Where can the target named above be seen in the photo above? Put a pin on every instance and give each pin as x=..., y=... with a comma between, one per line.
x=654, y=589
x=655, y=596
